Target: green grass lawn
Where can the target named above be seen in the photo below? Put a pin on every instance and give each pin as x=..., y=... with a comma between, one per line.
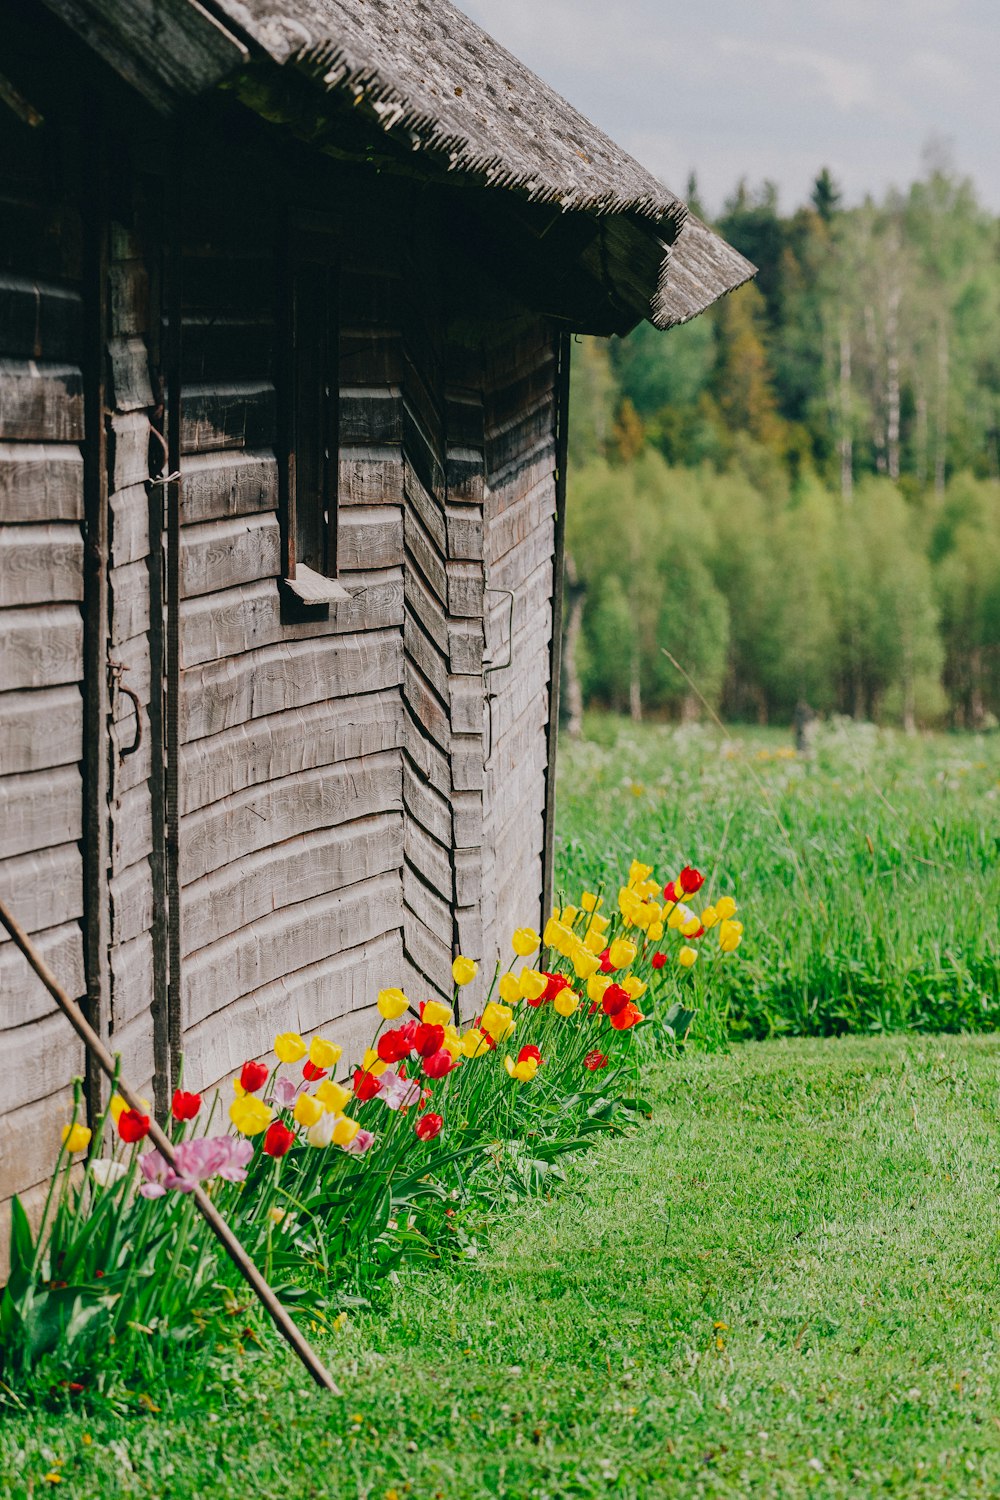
x=784, y=1284
x=868, y=876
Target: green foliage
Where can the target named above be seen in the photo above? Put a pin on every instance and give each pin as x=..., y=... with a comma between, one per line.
x=867, y=875
x=827, y=516
x=784, y=1285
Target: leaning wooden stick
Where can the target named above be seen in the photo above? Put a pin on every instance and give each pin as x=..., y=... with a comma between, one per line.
x=282, y=1321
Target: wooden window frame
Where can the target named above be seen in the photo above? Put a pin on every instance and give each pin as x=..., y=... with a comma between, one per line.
x=309, y=323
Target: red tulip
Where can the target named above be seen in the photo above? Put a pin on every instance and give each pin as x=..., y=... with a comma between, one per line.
x=393, y=1046
x=595, y=1061
x=607, y=967
x=691, y=880
x=427, y=1039
x=671, y=891
x=614, y=1000
x=254, y=1076
x=556, y=983
x=366, y=1085
x=278, y=1139
x=428, y=1127
x=185, y=1106
x=132, y=1126
x=311, y=1073
x=659, y=959
x=627, y=1017
x=530, y=1051
x=438, y=1064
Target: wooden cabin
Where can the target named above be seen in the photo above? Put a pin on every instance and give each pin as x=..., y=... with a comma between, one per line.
x=287, y=291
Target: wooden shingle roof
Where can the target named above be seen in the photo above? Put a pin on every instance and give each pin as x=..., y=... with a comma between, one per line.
x=440, y=86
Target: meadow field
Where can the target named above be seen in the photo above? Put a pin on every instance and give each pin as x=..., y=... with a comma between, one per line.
x=868, y=873
x=783, y=1282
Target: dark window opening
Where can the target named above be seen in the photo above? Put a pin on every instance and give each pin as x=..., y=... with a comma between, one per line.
x=314, y=407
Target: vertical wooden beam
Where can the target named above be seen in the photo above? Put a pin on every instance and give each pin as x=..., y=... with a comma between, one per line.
x=175, y=199
x=96, y=695
x=555, y=660
x=160, y=1003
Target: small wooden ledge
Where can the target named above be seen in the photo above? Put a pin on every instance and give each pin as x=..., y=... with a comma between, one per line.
x=309, y=595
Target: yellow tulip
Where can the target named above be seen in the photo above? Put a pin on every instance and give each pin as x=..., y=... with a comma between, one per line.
x=637, y=873
x=585, y=963
x=525, y=941
x=726, y=907
x=436, y=1013
x=590, y=902
x=648, y=888
x=289, y=1047
x=498, y=1021
x=307, y=1110
x=509, y=989
x=594, y=942
x=568, y=915
x=689, y=928
x=596, y=985
x=679, y=916
x=464, y=970
x=710, y=916
x=622, y=953
x=392, y=1004
x=599, y=923
x=524, y=1071
x=251, y=1115
x=634, y=987
x=324, y=1054
x=628, y=903
x=75, y=1137
x=453, y=1043
x=533, y=984
x=333, y=1096
x=475, y=1043
x=655, y=932
x=558, y=936
x=730, y=935
x=687, y=956
x=566, y=1001
x=372, y=1063
x=345, y=1130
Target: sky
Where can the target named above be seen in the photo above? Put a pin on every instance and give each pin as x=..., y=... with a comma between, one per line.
x=775, y=89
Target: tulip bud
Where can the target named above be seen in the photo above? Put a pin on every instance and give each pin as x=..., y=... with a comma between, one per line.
x=307, y=1110
x=392, y=1004
x=687, y=956
x=324, y=1054
x=464, y=970
x=509, y=989
x=566, y=1002
x=525, y=941
x=435, y=1013
x=622, y=953
x=75, y=1138
x=333, y=1097
x=725, y=907
x=289, y=1047
x=533, y=984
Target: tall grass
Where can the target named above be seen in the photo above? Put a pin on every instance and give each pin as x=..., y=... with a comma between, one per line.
x=868, y=875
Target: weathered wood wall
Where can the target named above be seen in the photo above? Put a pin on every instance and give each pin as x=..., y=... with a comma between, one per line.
x=351, y=810
x=41, y=647
x=519, y=522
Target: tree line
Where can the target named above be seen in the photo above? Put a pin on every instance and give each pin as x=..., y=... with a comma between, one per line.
x=798, y=494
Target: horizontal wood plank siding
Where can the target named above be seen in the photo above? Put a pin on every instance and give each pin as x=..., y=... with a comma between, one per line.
x=41, y=666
